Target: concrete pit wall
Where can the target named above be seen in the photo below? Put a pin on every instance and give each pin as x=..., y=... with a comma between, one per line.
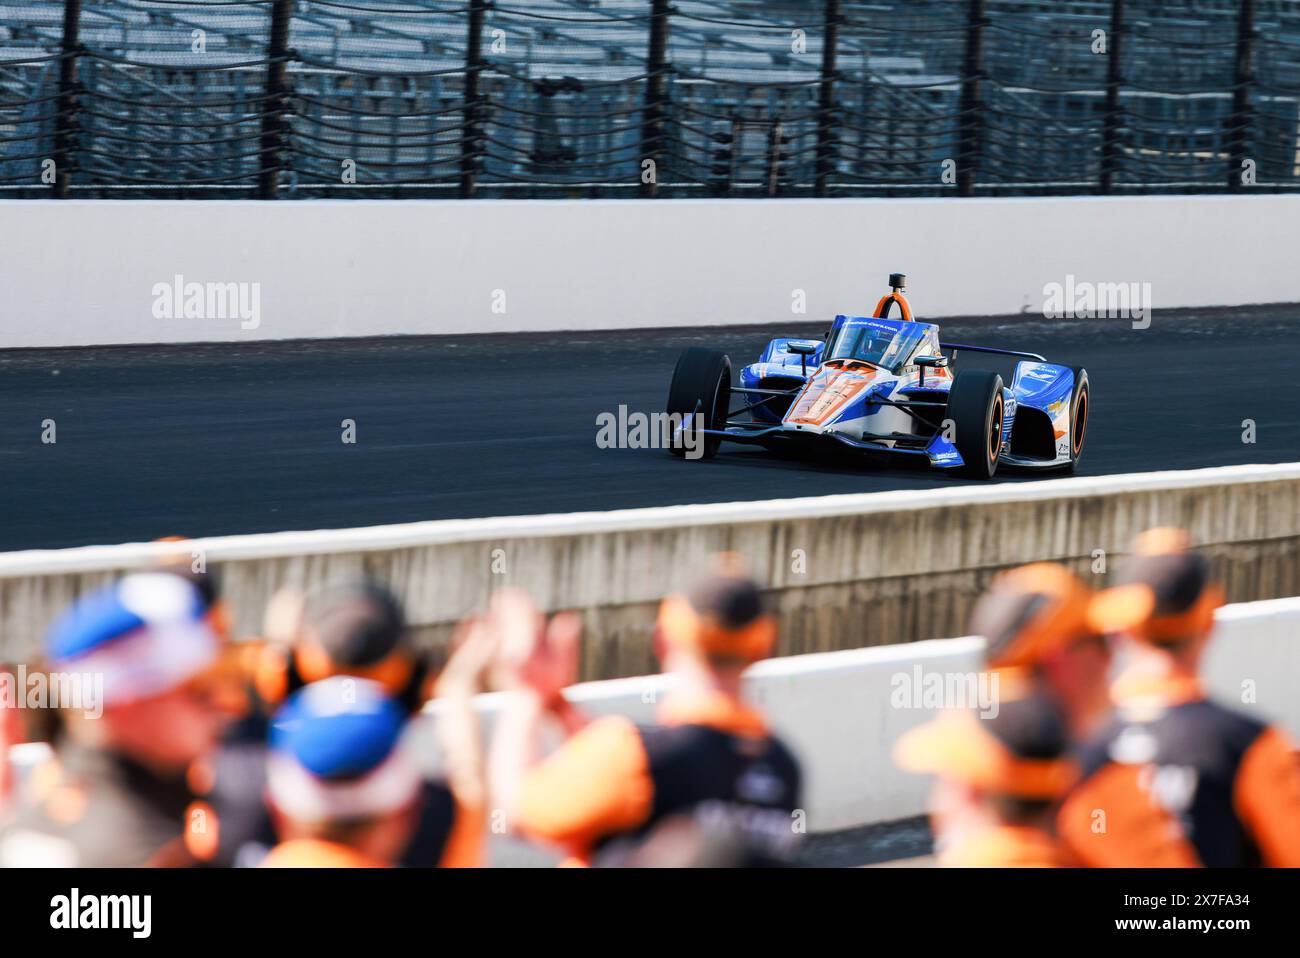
x=844, y=572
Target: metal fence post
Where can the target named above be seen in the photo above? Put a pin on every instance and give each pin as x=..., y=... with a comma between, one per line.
x=273, y=109
x=774, y=141
x=471, y=130
x=972, y=100
x=1114, y=80
x=827, y=141
x=65, y=125
x=733, y=155
x=652, y=123
x=724, y=159
x=1243, y=79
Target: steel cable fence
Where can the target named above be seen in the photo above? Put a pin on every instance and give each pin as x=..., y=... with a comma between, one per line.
x=411, y=98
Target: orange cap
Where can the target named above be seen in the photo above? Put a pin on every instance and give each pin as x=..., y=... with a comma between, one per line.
x=722, y=616
x=1165, y=591
x=1020, y=752
x=1031, y=611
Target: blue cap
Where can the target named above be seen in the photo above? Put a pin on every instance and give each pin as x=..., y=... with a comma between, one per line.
x=135, y=602
x=145, y=634
x=339, y=728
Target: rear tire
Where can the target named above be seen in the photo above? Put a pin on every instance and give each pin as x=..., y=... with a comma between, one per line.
x=701, y=384
x=976, y=407
x=1080, y=407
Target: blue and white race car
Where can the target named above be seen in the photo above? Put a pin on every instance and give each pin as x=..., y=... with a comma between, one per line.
x=882, y=385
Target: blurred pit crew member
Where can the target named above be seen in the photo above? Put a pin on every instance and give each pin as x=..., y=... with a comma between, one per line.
x=1035, y=621
x=1043, y=629
x=711, y=757
x=354, y=629
x=342, y=788
x=1227, y=784
x=117, y=791
x=359, y=631
x=999, y=782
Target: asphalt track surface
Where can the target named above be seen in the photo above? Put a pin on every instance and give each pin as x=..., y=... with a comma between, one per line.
x=209, y=440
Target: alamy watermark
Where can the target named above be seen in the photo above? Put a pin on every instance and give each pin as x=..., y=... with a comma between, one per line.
x=75, y=691
x=133, y=913
x=658, y=430
x=935, y=691
x=181, y=300
x=1080, y=299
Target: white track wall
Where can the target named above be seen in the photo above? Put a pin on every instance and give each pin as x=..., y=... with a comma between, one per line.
x=83, y=272
x=880, y=566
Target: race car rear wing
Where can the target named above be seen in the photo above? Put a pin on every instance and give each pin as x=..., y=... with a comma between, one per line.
x=955, y=347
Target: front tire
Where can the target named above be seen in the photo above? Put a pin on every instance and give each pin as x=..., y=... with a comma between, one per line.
x=700, y=393
x=976, y=407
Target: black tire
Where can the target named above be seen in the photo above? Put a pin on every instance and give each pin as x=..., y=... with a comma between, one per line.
x=701, y=383
x=1080, y=407
x=975, y=405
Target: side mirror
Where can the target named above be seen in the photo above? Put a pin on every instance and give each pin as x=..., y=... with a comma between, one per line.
x=938, y=362
x=803, y=351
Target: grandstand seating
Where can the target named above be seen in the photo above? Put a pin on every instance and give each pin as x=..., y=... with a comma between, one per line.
x=173, y=93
